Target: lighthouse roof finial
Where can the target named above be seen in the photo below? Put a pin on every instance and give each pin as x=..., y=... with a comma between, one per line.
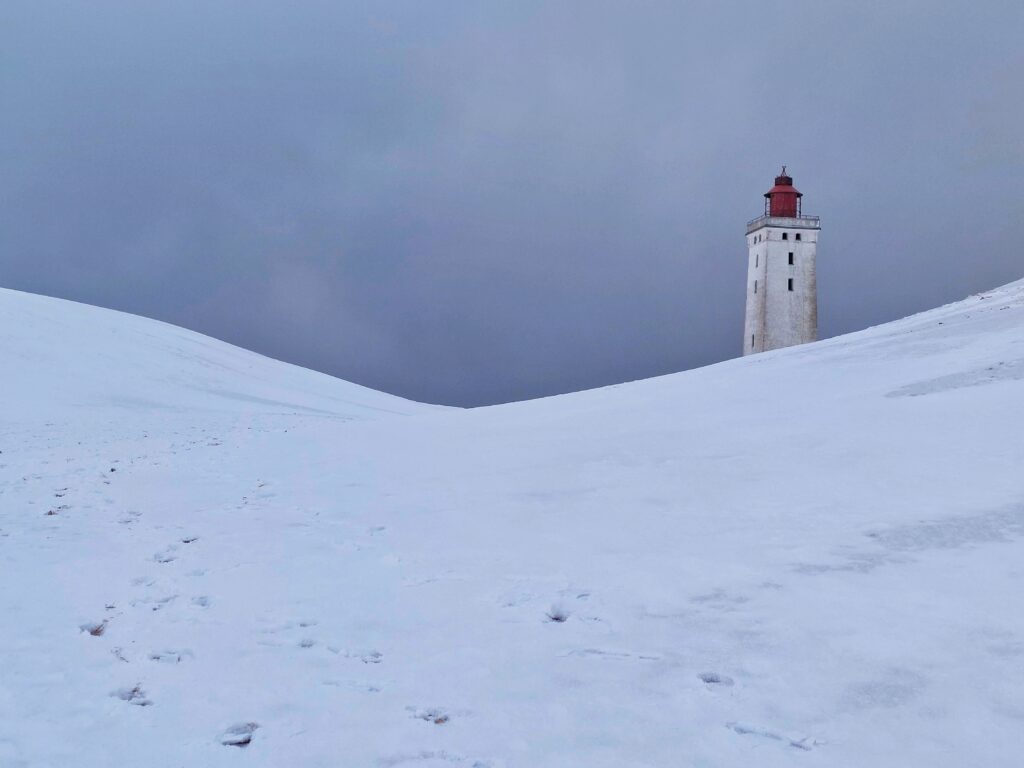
x=784, y=179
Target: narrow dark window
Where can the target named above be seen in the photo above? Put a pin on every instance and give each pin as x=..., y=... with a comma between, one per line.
x=797, y=235
x=756, y=257
x=751, y=341
x=785, y=235
x=790, y=257
x=791, y=283
x=755, y=286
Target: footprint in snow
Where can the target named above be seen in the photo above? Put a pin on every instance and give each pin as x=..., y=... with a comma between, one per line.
x=167, y=556
x=557, y=614
x=432, y=757
x=171, y=657
x=163, y=602
x=369, y=657
x=239, y=735
x=155, y=603
x=94, y=628
x=805, y=743
x=715, y=679
x=202, y=601
x=433, y=715
x=601, y=653
x=134, y=695
x=355, y=685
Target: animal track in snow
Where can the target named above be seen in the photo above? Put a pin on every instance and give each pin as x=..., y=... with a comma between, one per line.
x=239, y=735
x=202, y=601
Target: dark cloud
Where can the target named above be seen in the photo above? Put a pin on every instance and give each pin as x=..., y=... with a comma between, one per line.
x=470, y=202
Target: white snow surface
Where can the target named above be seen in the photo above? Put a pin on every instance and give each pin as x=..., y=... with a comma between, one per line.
x=810, y=557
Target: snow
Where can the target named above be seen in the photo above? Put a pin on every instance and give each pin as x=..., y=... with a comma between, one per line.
x=812, y=557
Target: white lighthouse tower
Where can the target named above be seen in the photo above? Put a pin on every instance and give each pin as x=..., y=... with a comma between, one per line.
x=782, y=290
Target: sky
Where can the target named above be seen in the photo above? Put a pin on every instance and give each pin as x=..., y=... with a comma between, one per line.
x=476, y=202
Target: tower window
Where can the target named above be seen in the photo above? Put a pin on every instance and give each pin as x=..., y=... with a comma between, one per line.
x=790, y=257
x=756, y=257
x=797, y=235
x=785, y=235
x=755, y=286
x=791, y=283
x=751, y=341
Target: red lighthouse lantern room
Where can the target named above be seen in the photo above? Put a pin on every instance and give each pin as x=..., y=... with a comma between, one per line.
x=782, y=199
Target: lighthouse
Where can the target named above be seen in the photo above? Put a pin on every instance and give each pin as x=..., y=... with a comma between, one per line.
x=782, y=289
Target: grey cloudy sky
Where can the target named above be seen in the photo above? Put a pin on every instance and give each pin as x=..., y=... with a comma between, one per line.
x=473, y=202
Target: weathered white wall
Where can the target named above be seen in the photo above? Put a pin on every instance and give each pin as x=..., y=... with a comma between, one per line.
x=775, y=316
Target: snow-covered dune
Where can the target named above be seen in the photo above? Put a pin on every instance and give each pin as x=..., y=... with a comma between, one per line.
x=809, y=557
x=61, y=358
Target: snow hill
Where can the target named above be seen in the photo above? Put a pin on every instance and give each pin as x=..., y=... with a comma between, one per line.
x=811, y=557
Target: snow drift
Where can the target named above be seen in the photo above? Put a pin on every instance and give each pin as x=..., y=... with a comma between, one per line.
x=813, y=556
